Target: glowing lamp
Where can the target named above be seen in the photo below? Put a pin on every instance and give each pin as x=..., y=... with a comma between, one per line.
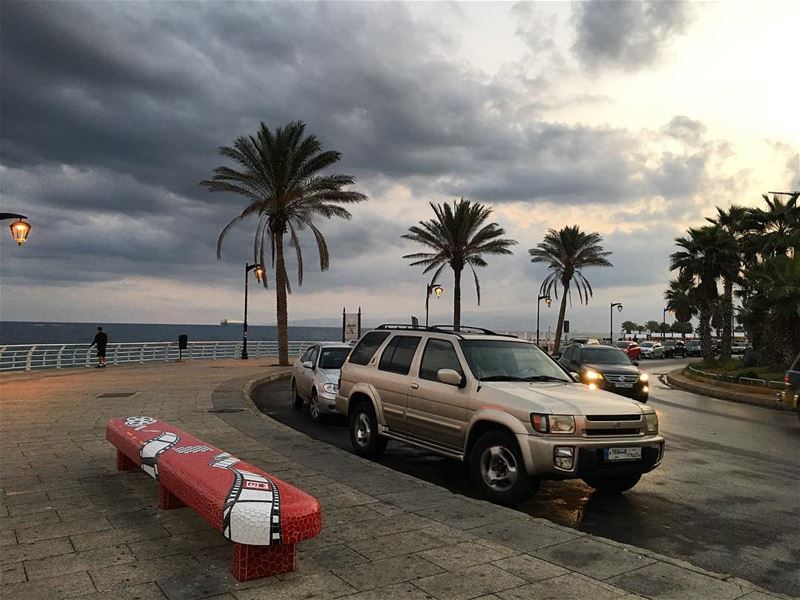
x=438, y=291
x=20, y=230
x=261, y=272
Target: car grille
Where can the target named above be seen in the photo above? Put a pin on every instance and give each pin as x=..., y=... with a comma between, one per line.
x=613, y=425
x=621, y=378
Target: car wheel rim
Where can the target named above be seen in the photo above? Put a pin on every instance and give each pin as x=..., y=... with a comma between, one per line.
x=499, y=468
x=313, y=407
x=363, y=430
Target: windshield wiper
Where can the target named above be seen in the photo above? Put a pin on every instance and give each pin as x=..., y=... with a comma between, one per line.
x=544, y=378
x=503, y=378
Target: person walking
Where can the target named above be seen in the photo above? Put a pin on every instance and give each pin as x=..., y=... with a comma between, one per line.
x=100, y=340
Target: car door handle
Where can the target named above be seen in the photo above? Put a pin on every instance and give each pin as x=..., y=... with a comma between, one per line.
x=414, y=386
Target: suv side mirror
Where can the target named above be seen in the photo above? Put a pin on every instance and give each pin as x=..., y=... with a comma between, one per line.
x=308, y=364
x=449, y=376
x=635, y=363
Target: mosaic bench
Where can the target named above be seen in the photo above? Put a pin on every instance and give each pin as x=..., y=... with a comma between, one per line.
x=263, y=516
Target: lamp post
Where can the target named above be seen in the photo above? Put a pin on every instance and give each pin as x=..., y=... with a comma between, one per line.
x=259, y=269
x=431, y=288
x=611, y=314
x=547, y=301
x=19, y=228
x=664, y=322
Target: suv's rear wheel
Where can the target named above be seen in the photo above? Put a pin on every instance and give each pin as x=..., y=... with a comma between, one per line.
x=364, y=432
x=497, y=469
x=615, y=484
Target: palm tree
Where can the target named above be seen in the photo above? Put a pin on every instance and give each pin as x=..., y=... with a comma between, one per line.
x=458, y=238
x=704, y=257
x=567, y=252
x=679, y=298
x=653, y=327
x=278, y=174
x=628, y=326
x=733, y=223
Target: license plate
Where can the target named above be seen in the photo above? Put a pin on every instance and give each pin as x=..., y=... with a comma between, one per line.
x=624, y=385
x=629, y=453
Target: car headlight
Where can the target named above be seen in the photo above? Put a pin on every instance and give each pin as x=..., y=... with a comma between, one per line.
x=644, y=377
x=330, y=388
x=553, y=423
x=592, y=376
x=651, y=421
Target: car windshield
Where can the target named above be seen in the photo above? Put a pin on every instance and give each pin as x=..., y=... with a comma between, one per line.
x=647, y=344
x=669, y=343
x=604, y=356
x=501, y=360
x=694, y=343
x=623, y=344
x=333, y=358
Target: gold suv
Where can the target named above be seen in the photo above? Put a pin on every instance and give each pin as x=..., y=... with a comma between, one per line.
x=497, y=402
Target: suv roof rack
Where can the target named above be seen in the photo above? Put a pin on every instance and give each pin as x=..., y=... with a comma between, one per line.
x=441, y=329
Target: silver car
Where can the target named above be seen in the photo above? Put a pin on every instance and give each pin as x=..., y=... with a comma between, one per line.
x=315, y=378
x=651, y=350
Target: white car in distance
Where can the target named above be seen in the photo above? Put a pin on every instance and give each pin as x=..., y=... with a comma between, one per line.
x=651, y=350
x=315, y=378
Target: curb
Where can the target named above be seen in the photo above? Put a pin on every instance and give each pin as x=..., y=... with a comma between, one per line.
x=747, y=586
x=677, y=379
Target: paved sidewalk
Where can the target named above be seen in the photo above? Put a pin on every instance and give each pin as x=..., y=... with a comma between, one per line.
x=71, y=526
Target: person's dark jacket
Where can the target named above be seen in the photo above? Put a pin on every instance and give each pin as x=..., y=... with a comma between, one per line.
x=100, y=339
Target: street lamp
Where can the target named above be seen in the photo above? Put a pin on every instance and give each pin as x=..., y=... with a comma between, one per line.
x=611, y=313
x=19, y=228
x=547, y=301
x=260, y=273
x=435, y=289
x=664, y=321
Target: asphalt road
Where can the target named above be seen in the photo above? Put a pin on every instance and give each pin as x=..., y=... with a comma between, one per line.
x=726, y=497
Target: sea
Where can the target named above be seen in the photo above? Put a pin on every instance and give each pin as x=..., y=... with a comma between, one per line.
x=41, y=332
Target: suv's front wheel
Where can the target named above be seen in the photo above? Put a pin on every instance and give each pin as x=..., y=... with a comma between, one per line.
x=613, y=484
x=364, y=432
x=497, y=469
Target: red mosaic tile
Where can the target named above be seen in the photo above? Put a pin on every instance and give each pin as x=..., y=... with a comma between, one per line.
x=252, y=562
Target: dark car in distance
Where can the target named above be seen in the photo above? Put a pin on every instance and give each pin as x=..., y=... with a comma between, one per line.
x=673, y=348
x=607, y=368
x=791, y=395
x=693, y=348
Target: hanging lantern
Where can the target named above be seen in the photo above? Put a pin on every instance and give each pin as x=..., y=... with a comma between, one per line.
x=20, y=230
x=260, y=273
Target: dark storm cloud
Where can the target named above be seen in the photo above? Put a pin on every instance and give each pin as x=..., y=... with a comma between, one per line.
x=625, y=34
x=112, y=112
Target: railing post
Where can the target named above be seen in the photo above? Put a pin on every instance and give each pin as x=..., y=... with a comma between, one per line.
x=58, y=356
x=29, y=358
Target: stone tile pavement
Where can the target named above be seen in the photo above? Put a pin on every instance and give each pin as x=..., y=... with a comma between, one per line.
x=72, y=527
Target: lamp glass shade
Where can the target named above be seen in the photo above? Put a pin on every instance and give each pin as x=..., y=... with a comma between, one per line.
x=260, y=273
x=548, y=301
x=20, y=230
x=619, y=307
x=438, y=290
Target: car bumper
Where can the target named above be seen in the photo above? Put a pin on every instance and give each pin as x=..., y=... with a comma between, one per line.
x=588, y=456
x=640, y=390
x=327, y=403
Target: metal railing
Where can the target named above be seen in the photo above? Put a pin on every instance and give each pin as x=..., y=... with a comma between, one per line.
x=753, y=381
x=27, y=357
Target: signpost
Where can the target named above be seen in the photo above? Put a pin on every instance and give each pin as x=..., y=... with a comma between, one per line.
x=351, y=325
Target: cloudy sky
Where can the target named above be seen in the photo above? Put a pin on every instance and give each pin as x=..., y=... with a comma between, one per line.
x=630, y=119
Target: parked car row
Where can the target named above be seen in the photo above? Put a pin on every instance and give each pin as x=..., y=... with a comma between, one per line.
x=511, y=412
x=652, y=349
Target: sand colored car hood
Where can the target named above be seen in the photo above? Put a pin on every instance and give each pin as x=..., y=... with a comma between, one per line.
x=558, y=398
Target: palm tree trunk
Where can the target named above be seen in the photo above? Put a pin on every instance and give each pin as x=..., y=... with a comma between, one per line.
x=456, y=299
x=727, y=318
x=705, y=332
x=282, y=308
x=560, y=327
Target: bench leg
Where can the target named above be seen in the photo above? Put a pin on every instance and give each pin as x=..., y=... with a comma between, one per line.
x=125, y=464
x=251, y=562
x=167, y=499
